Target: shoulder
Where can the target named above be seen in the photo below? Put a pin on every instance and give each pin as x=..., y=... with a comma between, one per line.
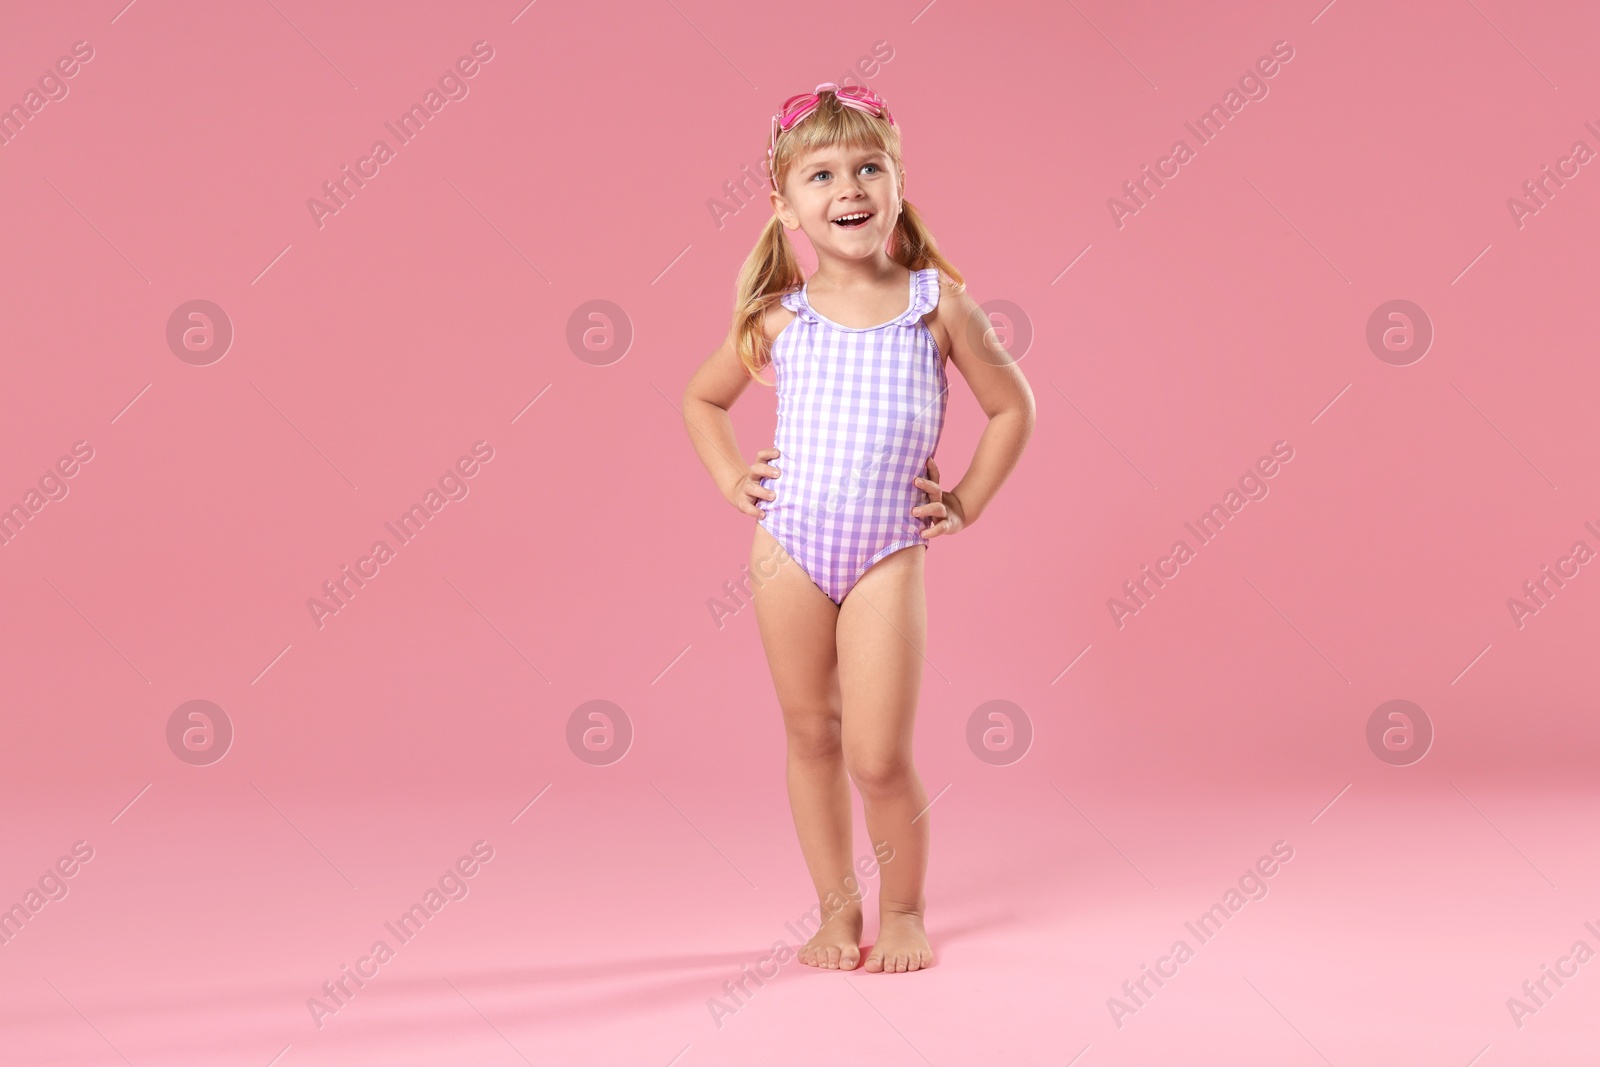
x=776, y=318
x=951, y=320
x=952, y=294
x=955, y=305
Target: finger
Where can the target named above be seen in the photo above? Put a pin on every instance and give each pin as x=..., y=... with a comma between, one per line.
x=933, y=469
x=931, y=486
x=764, y=470
x=768, y=453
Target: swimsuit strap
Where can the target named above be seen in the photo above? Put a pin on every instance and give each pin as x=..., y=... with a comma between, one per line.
x=795, y=302
x=924, y=296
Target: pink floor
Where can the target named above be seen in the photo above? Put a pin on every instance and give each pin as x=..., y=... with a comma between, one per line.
x=605, y=924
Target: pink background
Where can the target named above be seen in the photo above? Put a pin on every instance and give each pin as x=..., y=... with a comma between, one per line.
x=433, y=309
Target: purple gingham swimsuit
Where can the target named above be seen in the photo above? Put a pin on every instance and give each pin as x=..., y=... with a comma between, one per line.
x=860, y=411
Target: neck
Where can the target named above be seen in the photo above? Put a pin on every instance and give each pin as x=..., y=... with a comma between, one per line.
x=848, y=274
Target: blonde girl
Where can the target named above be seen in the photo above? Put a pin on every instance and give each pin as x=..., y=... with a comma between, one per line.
x=848, y=497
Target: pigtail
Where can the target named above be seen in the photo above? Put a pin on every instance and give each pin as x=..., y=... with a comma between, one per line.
x=769, y=271
x=914, y=248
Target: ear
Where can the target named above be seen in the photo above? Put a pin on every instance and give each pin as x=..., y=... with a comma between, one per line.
x=786, y=216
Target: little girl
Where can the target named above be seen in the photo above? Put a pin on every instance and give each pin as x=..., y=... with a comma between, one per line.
x=859, y=351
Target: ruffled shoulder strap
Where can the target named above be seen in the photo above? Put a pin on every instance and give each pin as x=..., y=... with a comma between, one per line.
x=795, y=301
x=924, y=295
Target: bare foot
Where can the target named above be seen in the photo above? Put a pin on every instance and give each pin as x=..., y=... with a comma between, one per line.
x=837, y=945
x=902, y=944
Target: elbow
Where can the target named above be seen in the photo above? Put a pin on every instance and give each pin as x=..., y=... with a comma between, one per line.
x=1018, y=412
x=694, y=404
x=689, y=400
x=1024, y=411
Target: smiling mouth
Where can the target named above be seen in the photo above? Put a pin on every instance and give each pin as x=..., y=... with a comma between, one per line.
x=853, y=221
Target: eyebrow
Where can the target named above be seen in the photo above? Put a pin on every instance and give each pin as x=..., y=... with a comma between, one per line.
x=863, y=155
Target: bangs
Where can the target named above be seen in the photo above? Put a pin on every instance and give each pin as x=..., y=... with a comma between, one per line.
x=831, y=126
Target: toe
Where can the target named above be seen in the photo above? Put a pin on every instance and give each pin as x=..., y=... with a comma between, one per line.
x=874, y=963
x=848, y=958
x=833, y=957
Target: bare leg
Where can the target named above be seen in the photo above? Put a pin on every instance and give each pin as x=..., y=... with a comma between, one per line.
x=797, y=622
x=881, y=639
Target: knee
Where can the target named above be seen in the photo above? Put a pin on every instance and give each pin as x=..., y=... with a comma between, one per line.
x=876, y=772
x=815, y=737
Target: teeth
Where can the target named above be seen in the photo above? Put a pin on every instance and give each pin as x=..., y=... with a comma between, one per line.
x=851, y=218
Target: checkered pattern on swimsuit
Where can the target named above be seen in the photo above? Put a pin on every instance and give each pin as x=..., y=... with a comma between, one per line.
x=860, y=411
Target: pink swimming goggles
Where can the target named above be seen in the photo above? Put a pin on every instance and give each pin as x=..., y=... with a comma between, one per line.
x=799, y=106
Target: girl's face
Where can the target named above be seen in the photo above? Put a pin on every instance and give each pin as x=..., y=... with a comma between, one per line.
x=827, y=191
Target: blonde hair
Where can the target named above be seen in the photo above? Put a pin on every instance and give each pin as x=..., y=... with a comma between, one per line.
x=772, y=268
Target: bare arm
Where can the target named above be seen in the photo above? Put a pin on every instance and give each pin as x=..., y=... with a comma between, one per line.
x=719, y=381
x=1005, y=397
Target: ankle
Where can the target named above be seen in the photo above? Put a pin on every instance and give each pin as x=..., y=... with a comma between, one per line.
x=887, y=907
x=849, y=912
